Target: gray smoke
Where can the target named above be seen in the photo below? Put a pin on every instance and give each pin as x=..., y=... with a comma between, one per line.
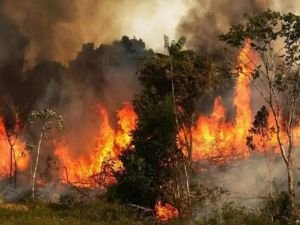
x=206, y=20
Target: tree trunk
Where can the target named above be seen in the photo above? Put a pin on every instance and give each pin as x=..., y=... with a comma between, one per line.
x=188, y=187
x=291, y=187
x=178, y=130
x=15, y=169
x=11, y=164
x=36, y=165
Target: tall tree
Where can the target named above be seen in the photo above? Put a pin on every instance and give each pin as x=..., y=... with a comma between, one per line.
x=45, y=121
x=13, y=127
x=152, y=159
x=275, y=40
x=173, y=85
x=185, y=75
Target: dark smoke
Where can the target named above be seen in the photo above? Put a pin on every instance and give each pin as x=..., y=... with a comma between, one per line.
x=12, y=45
x=104, y=75
x=57, y=28
x=208, y=19
x=39, y=20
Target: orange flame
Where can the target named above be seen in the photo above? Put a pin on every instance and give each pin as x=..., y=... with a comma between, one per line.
x=218, y=139
x=22, y=159
x=165, y=211
x=108, y=147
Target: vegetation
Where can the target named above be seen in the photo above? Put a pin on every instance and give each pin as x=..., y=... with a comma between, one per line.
x=45, y=120
x=13, y=128
x=152, y=162
x=101, y=212
x=155, y=166
x=92, y=213
x=274, y=38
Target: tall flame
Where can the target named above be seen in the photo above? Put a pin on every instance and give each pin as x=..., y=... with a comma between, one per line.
x=109, y=145
x=221, y=140
x=215, y=137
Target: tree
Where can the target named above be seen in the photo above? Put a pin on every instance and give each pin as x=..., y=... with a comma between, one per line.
x=191, y=76
x=274, y=38
x=45, y=120
x=186, y=76
x=151, y=161
x=173, y=86
x=13, y=128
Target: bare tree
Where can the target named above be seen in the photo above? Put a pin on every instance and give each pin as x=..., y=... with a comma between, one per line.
x=275, y=40
x=45, y=121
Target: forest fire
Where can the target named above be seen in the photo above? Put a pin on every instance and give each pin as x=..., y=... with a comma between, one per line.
x=215, y=137
x=20, y=157
x=109, y=144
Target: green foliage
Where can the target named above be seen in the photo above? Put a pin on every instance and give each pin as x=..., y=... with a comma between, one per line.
x=154, y=165
x=260, y=127
x=91, y=213
x=193, y=75
x=174, y=47
x=279, y=208
x=232, y=214
x=151, y=159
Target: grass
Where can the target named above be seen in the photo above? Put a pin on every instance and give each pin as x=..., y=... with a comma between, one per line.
x=102, y=212
x=93, y=213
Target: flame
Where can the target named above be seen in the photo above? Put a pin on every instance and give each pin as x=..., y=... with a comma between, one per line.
x=109, y=145
x=165, y=211
x=22, y=159
x=220, y=140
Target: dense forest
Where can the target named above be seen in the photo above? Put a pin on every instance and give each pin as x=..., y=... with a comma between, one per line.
x=205, y=131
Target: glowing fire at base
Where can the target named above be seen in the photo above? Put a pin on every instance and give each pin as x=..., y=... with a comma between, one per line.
x=109, y=145
x=165, y=211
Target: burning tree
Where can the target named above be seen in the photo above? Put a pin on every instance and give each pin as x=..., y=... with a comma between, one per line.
x=12, y=130
x=152, y=157
x=157, y=168
x=275, y=57
x=45, y=120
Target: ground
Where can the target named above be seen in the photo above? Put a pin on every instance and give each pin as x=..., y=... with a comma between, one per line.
x=94, y=213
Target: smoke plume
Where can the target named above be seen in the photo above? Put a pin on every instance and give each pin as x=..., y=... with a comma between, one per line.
x=206, y=20
x=58, y=28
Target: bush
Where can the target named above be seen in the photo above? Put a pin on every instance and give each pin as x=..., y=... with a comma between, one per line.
x=278, y=208
x=232, y=214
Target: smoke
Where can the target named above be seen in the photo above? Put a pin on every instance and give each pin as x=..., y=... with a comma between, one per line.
x=104, y=75
x=58, y=28
x=206, y=20
x=12, y=44
x=249, y=181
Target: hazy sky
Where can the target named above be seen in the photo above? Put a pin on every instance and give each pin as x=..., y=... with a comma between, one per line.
x=58, y=28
